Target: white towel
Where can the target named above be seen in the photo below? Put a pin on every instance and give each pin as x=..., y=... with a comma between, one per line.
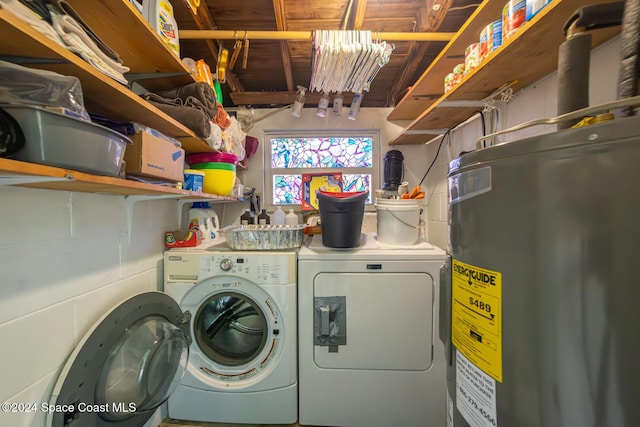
x=215, y=137
x=71, y=26
x=33, y=19
x=79, y=42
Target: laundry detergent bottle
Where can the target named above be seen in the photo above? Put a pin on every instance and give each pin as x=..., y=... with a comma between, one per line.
x=215, y=222
x=200, y=220
x=159, y=14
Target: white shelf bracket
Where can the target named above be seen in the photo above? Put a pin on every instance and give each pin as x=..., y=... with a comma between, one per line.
x=131, y=200
x=461, y=103
x=30, y=179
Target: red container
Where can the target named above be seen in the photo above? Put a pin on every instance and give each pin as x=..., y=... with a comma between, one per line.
x=212, y=157
x=182, y=238
x=341, y=194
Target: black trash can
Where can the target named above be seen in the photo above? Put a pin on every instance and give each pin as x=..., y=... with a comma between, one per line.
x=341, y=216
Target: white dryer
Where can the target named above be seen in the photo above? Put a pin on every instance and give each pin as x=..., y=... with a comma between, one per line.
x=367, y=333
x=219, y=345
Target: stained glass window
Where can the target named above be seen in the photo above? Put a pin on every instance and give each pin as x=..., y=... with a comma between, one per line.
x=322, y=152
x=291, y=156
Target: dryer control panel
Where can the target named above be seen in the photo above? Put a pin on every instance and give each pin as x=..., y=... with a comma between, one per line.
x=258, y=267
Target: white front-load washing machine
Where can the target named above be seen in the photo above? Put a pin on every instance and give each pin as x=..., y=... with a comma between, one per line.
x=242, y=365
x=219, y=345
x=368, y=352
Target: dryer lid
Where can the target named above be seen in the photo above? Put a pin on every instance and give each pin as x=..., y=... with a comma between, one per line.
x=125, y=367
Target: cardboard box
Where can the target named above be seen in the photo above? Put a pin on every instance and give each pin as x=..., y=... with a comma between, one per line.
x=318, y=181
x=154, y=157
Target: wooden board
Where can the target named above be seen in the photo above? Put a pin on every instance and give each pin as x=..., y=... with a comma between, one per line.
x=102, y=95
x=125, y=30
x=24, y=174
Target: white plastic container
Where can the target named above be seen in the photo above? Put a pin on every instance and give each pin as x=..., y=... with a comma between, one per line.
x=200, y=219
x=398, y=221
x=355, y=106
x=215, y=222
x=291, y=218
x=193, y=180
x=159, y=14
x=278, y=216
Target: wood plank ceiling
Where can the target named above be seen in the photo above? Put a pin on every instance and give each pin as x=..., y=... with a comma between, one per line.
x=274, y=68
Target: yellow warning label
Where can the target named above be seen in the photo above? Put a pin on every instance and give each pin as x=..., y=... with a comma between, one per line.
x=476, y=316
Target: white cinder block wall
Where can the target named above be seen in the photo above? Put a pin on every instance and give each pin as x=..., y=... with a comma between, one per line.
x=536, y=101
x=65, y=260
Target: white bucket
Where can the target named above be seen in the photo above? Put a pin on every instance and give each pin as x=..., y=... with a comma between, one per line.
x=398, y=221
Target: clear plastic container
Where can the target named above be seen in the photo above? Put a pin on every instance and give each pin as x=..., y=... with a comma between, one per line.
x=296, y=110
x=337, y=104
x=278, y=216
x=291, y=218
x=323, y=104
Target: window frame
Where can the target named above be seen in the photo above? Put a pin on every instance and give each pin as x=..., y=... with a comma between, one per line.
x=374, y=134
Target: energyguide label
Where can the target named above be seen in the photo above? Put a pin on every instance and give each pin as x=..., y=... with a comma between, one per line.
x=476, y=316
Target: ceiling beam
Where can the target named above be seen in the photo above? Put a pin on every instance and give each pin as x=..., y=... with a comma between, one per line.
x=358, y=15
x=344, y=22
x=278, y=98
x=281, y=24
x=306, y=35
x=353, y=17
x=204, y=21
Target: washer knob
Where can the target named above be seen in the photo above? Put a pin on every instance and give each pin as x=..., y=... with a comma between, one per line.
x=226, y=264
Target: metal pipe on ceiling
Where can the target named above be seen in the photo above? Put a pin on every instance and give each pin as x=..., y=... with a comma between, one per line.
x=305, y=35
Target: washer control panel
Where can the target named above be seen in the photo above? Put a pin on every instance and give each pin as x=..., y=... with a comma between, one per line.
x=259, y=267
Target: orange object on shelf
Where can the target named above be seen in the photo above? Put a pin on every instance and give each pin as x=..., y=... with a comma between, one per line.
x=203, y=72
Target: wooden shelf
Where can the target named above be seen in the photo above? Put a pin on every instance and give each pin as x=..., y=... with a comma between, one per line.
x=125, y=30
x=103, y=95
x=24, y=174
x=530, y=54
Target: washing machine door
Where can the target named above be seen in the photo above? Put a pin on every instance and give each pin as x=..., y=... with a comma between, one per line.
x=237, y=329
x=125, y=367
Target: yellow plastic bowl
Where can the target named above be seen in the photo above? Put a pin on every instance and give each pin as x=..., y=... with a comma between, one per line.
x=218, y=181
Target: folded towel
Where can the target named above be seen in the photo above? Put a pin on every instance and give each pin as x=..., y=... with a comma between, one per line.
x=70, y=26
x=33, y=19
x=76, y=42
x=201, y=91
x=62, y=7
x=189, y=114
